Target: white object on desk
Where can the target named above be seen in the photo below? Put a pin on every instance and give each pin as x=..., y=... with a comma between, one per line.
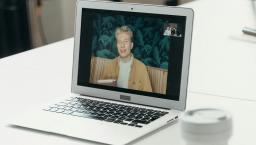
x=206, y=127
x=249, y=31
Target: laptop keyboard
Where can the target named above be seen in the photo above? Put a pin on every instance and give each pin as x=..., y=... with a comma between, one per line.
x=105, y=111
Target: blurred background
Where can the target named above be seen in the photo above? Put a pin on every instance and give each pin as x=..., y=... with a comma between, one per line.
x=28, y=24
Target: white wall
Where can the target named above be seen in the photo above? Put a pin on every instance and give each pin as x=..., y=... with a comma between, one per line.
x=155, y=1
x=59, y=16
x=160, y=2
x=58, y=19
x=68, y=9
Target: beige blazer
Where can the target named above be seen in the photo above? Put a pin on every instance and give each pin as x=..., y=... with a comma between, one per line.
x=138, y=78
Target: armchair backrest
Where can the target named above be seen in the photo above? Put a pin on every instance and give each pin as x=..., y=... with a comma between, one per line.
x=158, y=77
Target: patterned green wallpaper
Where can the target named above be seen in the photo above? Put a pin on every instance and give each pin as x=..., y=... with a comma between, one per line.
x=150, y=46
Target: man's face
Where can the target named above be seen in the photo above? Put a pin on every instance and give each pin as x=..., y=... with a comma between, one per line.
x=124, y=44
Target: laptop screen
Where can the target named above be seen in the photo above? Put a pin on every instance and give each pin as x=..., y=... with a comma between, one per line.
x=136, y=53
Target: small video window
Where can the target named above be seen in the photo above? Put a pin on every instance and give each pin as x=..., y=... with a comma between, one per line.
x=172, y=29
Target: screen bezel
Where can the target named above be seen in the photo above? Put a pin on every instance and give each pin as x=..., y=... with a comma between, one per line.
x=135, y=98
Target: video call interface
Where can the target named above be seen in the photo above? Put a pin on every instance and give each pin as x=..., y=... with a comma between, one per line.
x=137, y=53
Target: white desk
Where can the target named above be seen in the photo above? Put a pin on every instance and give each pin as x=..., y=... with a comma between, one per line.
x=31, y=78
x=36, y=76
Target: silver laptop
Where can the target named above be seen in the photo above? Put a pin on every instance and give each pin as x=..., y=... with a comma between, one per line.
x=130, y=73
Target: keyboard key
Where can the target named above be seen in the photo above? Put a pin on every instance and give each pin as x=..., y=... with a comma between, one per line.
x=131, y=124
x=78, y=114
x=124, y=123
x=73, y=109
x=110, y=120
x=67, y=112
x=138, y=126
x=60, y=110
x=53, y=109
x=61, y=106
x=128, y=119
x=118, y=121
x=141, y=121
x=99, y=118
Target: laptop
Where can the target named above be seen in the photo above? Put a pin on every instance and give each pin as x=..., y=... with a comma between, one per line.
x=130, y=73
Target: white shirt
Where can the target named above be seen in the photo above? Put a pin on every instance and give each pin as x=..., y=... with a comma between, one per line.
x=124, y=73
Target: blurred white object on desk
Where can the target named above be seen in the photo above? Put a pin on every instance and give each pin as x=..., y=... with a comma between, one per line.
x=249, y=31
x=206, y=127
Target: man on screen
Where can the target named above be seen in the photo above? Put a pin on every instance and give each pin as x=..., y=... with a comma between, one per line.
x=127, y=71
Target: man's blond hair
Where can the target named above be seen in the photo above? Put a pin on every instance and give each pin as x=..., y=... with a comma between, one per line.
x=124, y=29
